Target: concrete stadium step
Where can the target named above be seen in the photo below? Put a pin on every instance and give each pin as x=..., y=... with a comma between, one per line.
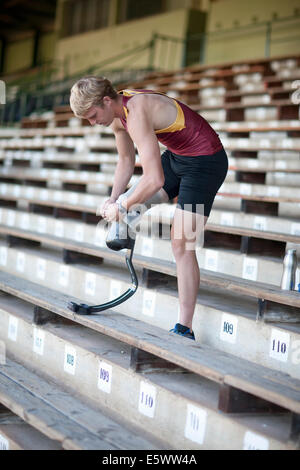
x=248, y=189
x=86, y=166
x=231, y=230
x=267, y=157
x=154, y=232
x=16, y=434
x=97, y=183
x=208, y=259
x=61, y=416
x=282, y=178
x=279, y=141
x=38, y=141
x=265, y=226
x=76, y=244
x=218, y=309
x=252, y=170
x=106, y=372
x=259, y=205
x=86, y=137
x=256, y=164
x=235, y=144
x=12, y=134
x=44, y=150
x=270, y=223
x=215, y=365
x=51, y=197
x=251, y=268
x=85, y=180
x=162, y=214
x=268, y=200
x=59, y=176
x=280, y=126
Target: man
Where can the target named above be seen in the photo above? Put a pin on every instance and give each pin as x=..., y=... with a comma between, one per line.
x=193, y=168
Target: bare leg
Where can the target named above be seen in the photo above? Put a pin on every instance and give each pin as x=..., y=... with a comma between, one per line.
x=185, y=234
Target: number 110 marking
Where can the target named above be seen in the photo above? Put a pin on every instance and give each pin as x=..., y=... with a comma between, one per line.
x=279, y=345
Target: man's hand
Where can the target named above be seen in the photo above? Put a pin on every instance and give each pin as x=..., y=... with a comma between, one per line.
x=111, y=213
x=105, y=205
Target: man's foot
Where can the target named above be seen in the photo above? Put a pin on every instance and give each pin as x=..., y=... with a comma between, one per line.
x=183, y=331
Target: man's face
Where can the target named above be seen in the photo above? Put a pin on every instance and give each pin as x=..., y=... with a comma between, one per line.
x=101, y=115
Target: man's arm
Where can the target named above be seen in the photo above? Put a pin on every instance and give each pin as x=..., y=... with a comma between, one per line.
x=140, y=128
x=125, y=166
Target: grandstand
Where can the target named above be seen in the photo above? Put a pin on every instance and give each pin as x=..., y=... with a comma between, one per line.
x=118, y=380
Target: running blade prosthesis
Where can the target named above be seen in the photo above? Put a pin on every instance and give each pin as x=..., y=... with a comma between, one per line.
x=116, y=240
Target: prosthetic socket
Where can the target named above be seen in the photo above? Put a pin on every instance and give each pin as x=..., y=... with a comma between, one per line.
x=122, y=234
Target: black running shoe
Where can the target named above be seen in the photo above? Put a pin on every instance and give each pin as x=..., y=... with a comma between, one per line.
x=183, y=331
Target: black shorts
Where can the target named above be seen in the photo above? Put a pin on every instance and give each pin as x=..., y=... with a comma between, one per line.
x=195, y=180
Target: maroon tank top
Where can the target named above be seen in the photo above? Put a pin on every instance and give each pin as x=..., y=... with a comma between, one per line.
x=190, y=134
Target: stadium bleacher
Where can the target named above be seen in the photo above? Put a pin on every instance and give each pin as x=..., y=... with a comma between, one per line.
x=119, y=379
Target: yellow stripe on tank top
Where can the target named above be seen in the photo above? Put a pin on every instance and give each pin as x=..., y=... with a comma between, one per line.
x=177, y=125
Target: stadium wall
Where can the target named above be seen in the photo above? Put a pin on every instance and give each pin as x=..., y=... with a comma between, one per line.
x=239, y=42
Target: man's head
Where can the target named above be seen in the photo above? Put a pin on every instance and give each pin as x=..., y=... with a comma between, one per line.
x=93, y=98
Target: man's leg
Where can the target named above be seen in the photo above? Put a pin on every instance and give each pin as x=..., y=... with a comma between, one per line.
x=159, y=197
x=186, y=232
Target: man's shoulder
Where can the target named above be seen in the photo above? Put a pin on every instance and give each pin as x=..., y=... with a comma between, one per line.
x=146, y=102
x=138, y=101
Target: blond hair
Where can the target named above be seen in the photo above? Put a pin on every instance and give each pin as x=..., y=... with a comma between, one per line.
x=88, y=92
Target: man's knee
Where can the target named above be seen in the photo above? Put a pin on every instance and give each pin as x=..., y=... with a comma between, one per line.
x=181, y=247
x=187, y=231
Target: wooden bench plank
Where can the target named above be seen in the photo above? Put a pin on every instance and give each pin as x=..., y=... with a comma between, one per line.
x=230, y=106
x=268, y=235
x=250, y=127
x=21, y=436
x=156, y=217
x=43, y=417
x=8, y=198
x=61, y=416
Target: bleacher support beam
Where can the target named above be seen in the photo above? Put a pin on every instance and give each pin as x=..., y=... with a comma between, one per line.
x=141, y=361
x=70, y=257
x=233, y=400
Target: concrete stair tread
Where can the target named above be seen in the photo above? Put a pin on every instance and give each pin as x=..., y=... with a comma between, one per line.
x=59, y=415
x=234, y=222
x=228, y=282
x=16, y=434
x=179, y=387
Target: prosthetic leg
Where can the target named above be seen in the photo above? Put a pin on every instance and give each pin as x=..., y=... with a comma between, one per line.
x=84, y=309
x=121, y=236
